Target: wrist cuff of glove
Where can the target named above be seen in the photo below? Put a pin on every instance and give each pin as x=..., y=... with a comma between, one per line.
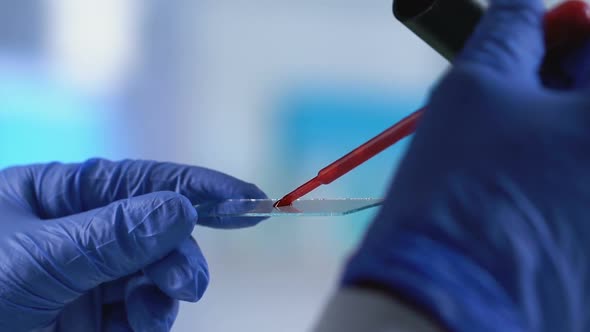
x=437, y=280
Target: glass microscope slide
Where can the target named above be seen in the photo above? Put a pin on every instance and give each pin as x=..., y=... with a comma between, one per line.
x=301, y=207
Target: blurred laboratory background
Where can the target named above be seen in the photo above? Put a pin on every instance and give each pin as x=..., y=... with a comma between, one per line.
x=269, y=91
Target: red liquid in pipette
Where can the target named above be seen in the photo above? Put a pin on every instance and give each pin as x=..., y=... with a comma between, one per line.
x=356, y=157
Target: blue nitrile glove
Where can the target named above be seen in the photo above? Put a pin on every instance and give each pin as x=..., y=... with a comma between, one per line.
x=104, y=246
x=485, y=227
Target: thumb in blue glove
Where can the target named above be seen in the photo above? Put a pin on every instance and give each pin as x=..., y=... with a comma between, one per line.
x=484, y=227
x=104, y=246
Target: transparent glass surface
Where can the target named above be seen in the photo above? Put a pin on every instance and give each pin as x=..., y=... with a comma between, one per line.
x=302, y=207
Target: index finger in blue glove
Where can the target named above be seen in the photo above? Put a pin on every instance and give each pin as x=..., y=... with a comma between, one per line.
x=57, y=190
x=74, y=254
x=509, y=39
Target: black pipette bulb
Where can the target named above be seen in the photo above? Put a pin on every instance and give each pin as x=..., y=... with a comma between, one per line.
x=445, y=25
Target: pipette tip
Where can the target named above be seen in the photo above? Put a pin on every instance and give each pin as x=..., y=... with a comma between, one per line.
x=298, y=193
x=285, y=201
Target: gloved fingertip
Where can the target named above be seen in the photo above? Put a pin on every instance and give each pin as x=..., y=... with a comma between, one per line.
x=189, y=211
x=226, y=215
x=148, y=308
x=202, y=284
x=183, y=274
x=188, y=288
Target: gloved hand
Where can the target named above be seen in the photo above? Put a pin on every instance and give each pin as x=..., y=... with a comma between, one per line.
x=485, y=225
x=104, y=246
